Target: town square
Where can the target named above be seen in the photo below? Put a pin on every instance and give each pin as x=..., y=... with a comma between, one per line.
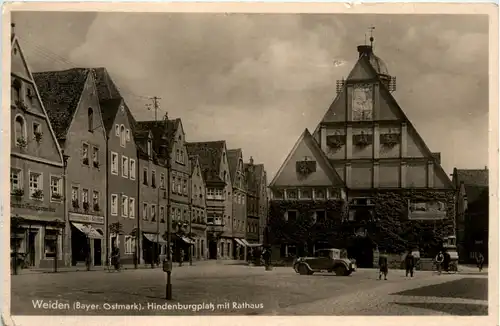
x=249, y=164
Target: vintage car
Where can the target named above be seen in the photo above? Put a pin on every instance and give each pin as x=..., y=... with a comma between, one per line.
x=330, y=260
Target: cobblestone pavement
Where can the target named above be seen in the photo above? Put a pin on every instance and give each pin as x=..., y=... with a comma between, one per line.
x=236, y=288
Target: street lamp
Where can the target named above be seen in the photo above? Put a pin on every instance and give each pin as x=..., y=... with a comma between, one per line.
x=65, y=198
x=167, y=266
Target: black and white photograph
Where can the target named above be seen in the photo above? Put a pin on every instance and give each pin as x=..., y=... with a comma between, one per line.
x=251, y=163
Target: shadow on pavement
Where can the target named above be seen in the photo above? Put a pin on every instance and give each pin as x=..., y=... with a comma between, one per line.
x=466, y=288
x=458, y=309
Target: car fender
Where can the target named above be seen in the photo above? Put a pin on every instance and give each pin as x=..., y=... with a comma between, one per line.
x=340, y=263
x=305, y=263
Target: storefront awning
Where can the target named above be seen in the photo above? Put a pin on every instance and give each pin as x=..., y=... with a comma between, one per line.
x=88, y=230
x=187, y=240
x=155, y=238
x=238, y=241
x=245, y=242
x=253, y=245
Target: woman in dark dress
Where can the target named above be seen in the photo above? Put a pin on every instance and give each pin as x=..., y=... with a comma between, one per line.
x=384, y=267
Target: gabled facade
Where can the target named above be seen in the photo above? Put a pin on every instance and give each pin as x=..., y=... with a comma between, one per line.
x=36, y=173
x=215, y=171
x=472, y=212
x=72, y=105
x=198, y=210
x=239, y=221
x=122, y=177
x=257, y=202
x=390, y=174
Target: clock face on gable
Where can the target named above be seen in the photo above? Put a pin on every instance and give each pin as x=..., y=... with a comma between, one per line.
x=362, y=102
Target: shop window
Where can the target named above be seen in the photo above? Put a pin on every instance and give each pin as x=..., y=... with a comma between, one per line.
x=51, y=243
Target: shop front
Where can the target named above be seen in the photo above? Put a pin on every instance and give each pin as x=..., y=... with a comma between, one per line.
x=36, y=235
x=154, y=248
x=88, y=247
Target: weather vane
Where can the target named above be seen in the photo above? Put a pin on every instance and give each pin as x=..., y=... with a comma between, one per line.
x=371, y=28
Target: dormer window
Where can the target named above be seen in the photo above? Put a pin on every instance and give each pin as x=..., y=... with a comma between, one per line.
x=122, y=136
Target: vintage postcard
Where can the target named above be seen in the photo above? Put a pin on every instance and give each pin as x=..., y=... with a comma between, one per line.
x=250, y=160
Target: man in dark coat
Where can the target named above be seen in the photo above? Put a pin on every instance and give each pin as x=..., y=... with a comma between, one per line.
x=409, y=263
x=384, y=267
x=480, y=261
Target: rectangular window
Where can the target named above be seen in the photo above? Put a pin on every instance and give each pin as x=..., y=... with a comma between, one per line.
x=132, y=169
x=145, y=211
x=153, y=212
x=85, y=154
x=210, y=193
x=174, y=185
x=16, y=181
x=162, y=180
x=305, y=194
x=131, y=208
x=85, y=199
x=185, y=187
x=36, y=186
x=50, y=243
x=145, y=176
x=114, y=204
x=37, y=131
x=55, y=188
x=114, y=163
x=95, y=201
x=124, y=206
x=218, y=194
x=153, y=179
x=162, y=214
x=125, y=167
x=95, y=157
x=129, y=244
x=74, y=197
x=179, y=186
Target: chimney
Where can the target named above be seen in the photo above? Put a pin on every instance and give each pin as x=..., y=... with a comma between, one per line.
x=251, y=160
x=365, y=50
x=437, y=157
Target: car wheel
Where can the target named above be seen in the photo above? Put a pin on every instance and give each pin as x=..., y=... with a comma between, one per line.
x=303, y=270
x=340, y=270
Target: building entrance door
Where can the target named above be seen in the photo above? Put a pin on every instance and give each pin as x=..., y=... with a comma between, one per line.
x=212, y=249
x=31, y=247
x=97, y=252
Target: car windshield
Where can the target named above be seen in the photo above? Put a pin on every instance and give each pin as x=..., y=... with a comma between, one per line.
x=343, y=254
x=323, y=253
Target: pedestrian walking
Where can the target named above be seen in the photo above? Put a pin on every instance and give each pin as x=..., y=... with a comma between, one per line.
x=266, y=255
x=439, y=262
x=115, y=258
x=446, y=261
x=409, y=263
x=480, y=261
x=181, y=258
x=384, y=267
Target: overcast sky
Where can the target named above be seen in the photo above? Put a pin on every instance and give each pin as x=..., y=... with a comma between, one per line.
x=257, y=81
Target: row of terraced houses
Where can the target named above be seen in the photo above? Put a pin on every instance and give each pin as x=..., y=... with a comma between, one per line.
x=86, y=176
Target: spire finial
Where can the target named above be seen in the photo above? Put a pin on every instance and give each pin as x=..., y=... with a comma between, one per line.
x=371, y=35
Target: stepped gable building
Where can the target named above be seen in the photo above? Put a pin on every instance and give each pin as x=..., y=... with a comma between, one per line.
x=472, y=213
x=198, y=224
x=215, y=169
x=398, y=194
x=36, y=173
x=257, y=202
x=237, y=175
x=153, y=196
x=70, y=98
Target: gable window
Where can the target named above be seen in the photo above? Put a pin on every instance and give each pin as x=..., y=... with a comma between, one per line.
x=125, y=204
x=153, y=179
x=178, y=155
x=122, y=136
x=131, y=208
x=362, y=102
x=16, y=90
x=36, y=186
x=153, y=212
x=132, y=169
x=16, y=182
x=145, y=211
x=125, y=167
x=20, y=131
x=182, y=156
x=90, y=117
x=37, y=131
x=95, y=201
x=150, y=150
x=55, y=188
x=85, y=154
x=114, y=163
x=145, y=176
x=114, y=204
x=95, y=157
x=117, y=130
x=127, y=135
x=162, y=180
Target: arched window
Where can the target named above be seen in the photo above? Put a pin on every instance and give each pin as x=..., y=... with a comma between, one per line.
x=122, y=136
x=20, y=130
x=90, y=117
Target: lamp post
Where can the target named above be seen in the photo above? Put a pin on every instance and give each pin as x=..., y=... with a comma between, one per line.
x=190, y=222
x=168, y=286
x=65, y=200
